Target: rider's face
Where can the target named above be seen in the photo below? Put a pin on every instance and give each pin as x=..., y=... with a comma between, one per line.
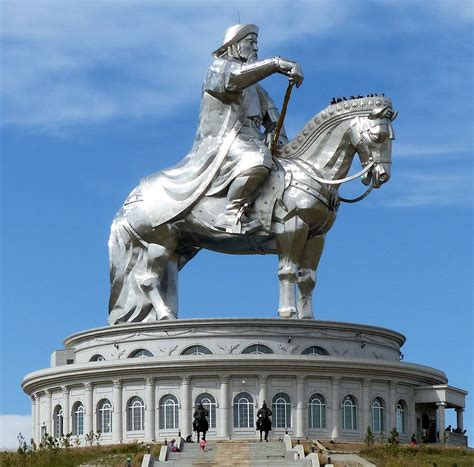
x=248, y=48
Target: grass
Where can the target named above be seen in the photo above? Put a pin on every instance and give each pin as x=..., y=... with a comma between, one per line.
x=420, y=456
x=114, y=455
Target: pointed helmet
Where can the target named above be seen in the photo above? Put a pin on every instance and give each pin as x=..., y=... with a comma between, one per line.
x=234, y=34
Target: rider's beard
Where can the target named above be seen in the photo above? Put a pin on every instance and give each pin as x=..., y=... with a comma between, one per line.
x=252, y=58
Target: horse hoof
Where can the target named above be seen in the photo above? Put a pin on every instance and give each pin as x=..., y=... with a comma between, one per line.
x=287, y=312
x=166, y=315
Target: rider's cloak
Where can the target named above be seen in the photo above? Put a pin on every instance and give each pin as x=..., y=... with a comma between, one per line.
x=205, y=169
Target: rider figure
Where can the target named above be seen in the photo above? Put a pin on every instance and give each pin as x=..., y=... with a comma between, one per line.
x=230, y=151
x=234, y=77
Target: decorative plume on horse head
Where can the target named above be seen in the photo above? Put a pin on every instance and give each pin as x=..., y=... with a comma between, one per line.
x=232, y=195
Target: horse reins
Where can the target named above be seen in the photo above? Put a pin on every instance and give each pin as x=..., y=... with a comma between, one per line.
x=276, y=135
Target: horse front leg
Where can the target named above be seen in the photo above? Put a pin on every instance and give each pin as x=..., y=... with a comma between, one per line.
x=290, y=246
x=307, y=276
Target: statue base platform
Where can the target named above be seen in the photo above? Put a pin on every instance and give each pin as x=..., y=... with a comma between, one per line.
x=324, y=380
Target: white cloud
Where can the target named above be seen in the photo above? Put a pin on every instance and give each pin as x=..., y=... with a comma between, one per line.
x=426, y=150
x=10, y=426
x=452, y=188
x=153, y=54
x=67, y=62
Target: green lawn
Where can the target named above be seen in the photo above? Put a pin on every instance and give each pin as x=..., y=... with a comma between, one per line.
x=420, y=456
x=115, y=455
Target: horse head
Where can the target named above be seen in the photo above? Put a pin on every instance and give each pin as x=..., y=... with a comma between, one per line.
x=372, y=137
x=330, y=139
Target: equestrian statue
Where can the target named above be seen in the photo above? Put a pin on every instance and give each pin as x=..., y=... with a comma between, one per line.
x=264, y=422
x=244, y=188
x=200, y=422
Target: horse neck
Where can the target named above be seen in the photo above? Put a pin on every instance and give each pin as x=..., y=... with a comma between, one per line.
x=332, y=152
x=328, y=149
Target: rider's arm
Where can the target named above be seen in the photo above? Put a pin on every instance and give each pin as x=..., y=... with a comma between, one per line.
x=244, y=76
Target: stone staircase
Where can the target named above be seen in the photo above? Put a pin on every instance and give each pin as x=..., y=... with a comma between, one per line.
x=235, y=454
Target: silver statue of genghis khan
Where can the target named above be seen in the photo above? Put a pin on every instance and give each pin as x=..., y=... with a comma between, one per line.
x=230, y=196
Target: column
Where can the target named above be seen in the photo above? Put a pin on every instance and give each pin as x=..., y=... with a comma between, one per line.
x=391, y=408
x=185, y=416
x=441, y=419
x=33, y=417
x=411, y=425
x=66, y=411
x=49, y=409
x=300, y=407
x=263, y=391
x=366, y=409
x=224, y=408
x=149, y=409
x=117, y=418
x=335, y=407
x=460, y=418
x=38, y=419
x=89, y=409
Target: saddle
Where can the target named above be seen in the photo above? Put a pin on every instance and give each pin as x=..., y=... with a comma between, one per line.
x=258, y=215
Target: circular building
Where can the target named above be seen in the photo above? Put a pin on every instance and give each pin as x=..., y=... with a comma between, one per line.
x=325, y=380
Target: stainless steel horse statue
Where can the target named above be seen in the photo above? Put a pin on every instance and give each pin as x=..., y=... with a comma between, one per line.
x=292, y=213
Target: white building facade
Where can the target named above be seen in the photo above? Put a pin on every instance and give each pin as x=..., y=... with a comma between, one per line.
x=323, y=380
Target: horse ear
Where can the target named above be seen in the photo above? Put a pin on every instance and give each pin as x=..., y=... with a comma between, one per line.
x=378, y=113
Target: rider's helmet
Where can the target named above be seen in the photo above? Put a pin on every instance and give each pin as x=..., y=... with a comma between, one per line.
x=235, y=34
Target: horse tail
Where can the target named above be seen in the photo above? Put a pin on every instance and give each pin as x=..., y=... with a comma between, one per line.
x=127, y=256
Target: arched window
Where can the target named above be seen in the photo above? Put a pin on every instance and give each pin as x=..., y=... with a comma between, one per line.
x=140, y=353
x=257, y=349
x=401, y=416
x=281, y=408
x=169, y=413
x=97, y=358
x=209, y=403
x=349, y=413
x=78, y=419
x=317, y=411
x=315, y=350
x=243, y=411
x=58, y=419
x=104, y=416
x=378, y=418
x=196, y=350
x=135, y=414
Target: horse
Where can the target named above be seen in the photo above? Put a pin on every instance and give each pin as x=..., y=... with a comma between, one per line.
x=296, y=207
x=200, y=423
x=264, y=423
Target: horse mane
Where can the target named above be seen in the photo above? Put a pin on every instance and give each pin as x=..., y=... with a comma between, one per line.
x=340, y=109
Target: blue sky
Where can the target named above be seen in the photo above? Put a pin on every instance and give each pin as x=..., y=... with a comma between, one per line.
x=97, y=94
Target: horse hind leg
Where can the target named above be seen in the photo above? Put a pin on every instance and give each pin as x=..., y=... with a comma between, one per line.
x=150, y=280
x=169, y=285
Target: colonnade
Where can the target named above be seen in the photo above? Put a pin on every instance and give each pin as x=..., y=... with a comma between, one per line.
x=224, y=412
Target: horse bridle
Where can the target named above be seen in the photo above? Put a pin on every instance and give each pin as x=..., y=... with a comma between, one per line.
x=367, y=166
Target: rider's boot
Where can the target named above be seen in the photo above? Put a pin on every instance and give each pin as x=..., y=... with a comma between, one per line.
x=242, y=192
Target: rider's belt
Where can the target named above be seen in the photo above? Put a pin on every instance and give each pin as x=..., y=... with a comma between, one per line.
x=252, y=131
x=331, y=200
